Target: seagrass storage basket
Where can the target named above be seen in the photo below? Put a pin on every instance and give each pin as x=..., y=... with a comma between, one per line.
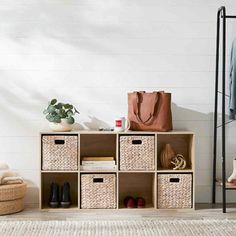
x=12, y=198
x=98, y=191
x=175, y=191
x=137, y=152
x=59, y=152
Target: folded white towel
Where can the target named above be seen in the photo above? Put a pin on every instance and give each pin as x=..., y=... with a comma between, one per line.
x=12, y=180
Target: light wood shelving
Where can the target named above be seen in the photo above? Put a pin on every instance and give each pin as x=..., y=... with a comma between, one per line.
x=134, y=183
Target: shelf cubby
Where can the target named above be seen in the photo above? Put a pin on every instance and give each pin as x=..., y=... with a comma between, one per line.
x=94, y=145
x=137, y=185
x=181, y=144
x=59, y=178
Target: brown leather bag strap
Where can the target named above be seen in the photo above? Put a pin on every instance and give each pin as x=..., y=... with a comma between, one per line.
x=137, y=111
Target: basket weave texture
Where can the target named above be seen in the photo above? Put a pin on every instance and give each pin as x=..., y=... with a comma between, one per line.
x=137, y=153
x=174, y=191
x=12, y=198
x=98, y=191
x=12, y=192
x=10, y=207
x=62, y=155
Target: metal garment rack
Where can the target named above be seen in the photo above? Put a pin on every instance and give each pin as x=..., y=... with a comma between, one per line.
x=221, y=20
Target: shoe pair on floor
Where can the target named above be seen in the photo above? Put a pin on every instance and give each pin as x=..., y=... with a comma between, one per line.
x=130, y=202
x=55, y=200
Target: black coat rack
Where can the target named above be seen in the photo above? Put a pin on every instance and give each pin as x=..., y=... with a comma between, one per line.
x=221, y=21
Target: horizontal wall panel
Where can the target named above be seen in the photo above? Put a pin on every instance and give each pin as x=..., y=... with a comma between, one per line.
x=116, y=46
x=160, y=63
x=110, y=80
x=89, y=27
x=98, y=95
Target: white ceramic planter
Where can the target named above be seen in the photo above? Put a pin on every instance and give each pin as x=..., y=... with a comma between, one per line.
x=61, y=127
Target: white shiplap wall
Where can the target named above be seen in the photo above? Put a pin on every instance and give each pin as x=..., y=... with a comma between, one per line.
x=91, y=53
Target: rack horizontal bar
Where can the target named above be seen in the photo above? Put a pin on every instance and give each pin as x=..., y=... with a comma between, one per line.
x=230, y=16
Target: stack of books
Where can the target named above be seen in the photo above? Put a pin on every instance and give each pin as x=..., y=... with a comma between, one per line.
x=98, y=163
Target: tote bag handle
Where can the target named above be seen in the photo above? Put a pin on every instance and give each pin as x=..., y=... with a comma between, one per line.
x=136, y=107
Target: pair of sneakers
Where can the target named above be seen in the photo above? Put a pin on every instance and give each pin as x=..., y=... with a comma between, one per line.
x=131, y=202
x=56, y=199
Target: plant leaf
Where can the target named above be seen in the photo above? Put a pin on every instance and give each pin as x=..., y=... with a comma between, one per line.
x=58, y=106
x=67, y=106
x=57, y=119
x=76, y=110
x=62, y=113
x=69, y=113
x=53, y=101
x=70, y=120
x=51, y=109
x=49, y=118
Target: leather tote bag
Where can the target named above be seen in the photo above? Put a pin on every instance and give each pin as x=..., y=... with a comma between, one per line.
x=150, y=111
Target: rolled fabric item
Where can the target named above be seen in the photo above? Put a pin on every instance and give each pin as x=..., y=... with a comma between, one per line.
x=8, y=176
x=12, y=180
x=6, y=173
x=3, y=166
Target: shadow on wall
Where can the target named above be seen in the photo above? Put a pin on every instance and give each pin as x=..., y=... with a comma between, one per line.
x=183, y=114
x=21, y=107
x=32, y=194
x=64, y=23
x=95, y=123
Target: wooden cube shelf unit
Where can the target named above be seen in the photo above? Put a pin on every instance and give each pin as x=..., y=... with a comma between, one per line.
x=133, y=178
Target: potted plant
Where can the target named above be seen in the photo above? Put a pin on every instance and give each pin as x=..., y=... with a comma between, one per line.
x=60, y=115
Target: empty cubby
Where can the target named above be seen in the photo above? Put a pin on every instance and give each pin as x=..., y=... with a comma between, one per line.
x=180, y=143
x=137, y=185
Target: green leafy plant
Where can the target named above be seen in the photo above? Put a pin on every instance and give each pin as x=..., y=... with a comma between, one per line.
x=57, y=111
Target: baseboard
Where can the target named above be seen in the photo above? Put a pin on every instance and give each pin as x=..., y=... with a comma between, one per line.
x=32, y=205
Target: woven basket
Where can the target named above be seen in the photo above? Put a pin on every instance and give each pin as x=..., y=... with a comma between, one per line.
x=60, y=152
x=98, y=191
x=10, y=207
x=174, y=191
x=12, y=198
x=12, y=192
x=137, y=152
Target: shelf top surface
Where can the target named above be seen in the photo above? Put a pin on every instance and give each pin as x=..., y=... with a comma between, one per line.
x=114, y=132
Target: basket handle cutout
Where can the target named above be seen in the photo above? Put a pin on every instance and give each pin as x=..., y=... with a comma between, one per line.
x=136, y=142
x=98, y=180
x=174, y=180
x=59, y=141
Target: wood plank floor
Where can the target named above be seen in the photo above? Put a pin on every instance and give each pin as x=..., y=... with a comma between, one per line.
x=203, y=211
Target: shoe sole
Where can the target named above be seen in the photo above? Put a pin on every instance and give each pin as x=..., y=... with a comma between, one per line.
x=65, y=204
x=54, y=204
